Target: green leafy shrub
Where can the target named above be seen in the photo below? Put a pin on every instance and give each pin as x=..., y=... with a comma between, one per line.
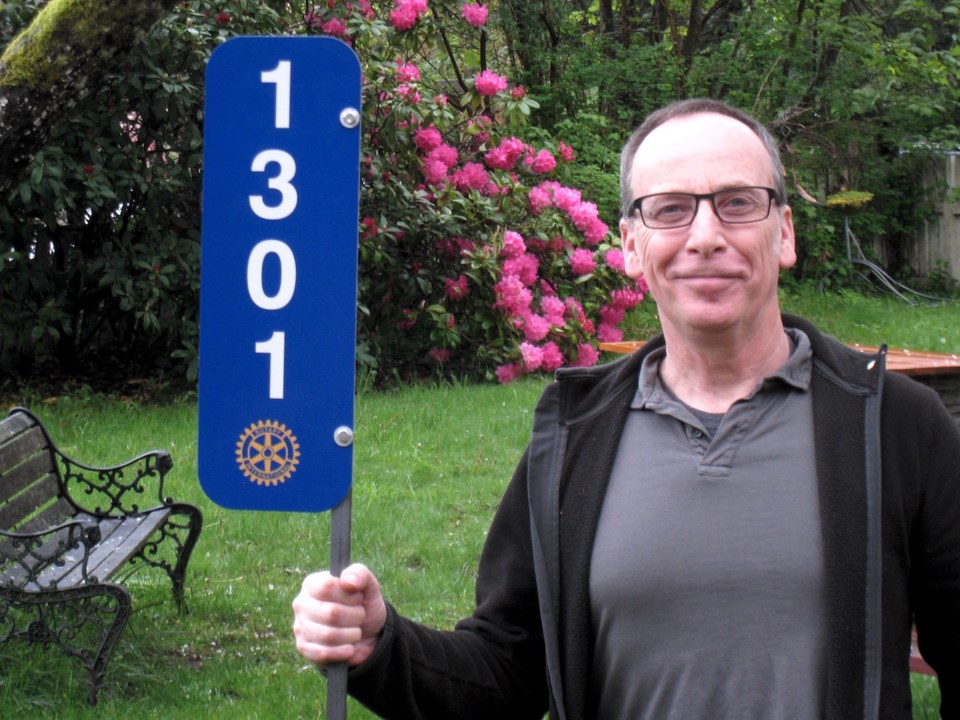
x=476, y=259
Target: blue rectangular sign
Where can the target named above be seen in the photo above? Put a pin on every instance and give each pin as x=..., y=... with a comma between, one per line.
x=278, y=293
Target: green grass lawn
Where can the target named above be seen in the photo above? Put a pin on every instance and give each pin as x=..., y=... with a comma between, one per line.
x=430, y=466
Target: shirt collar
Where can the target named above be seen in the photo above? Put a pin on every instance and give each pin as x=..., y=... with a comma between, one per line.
x=796, y=372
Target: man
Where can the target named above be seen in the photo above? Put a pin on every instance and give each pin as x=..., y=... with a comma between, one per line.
x=740, y=520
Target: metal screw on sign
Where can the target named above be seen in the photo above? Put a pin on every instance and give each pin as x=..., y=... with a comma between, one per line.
x=343, y=436
x=349, y=117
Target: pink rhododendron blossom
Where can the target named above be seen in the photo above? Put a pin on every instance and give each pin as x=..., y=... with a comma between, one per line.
x=553, y=308
x=403, y=18
x=535, y=327
x=542, y=162
x=439, y=355
x=582, y=262
x=512, y=297
x=524, y=267
x=406, y=13
x=612, y=314
x=540, y=199
x=609, y=333
x=409, y=320
x=407, y=72
x=552, y=357
x=471, y=176
x=513, y=245
x=614, y=259
x=334, y=27
x=532, y=356
x=582, y=214
x=566, y=152
x=587, y=355
x=575, y=310
x=446, y=154
x=505, y=155
x=475, y=14
x=626, y=298
x=437, y=163
x=642, y=285
x=489, y=83
x=595, y=231
x=427, y=138
x=519, y=92
x=567, y=199
x=457, y=289
x=509, y=373
x=408, y=92
x=435, y=171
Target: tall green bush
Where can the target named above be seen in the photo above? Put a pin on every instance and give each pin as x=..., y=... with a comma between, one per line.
x=476, y=258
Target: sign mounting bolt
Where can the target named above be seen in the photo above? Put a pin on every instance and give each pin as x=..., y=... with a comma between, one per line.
x=350, y=117
x=343, y=436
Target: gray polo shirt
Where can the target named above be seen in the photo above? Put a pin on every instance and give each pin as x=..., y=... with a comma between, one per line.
x=706, y=585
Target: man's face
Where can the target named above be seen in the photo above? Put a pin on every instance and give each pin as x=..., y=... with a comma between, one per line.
x=710, y=275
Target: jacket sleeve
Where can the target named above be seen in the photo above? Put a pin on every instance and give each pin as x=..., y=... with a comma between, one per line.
x=934, y=542
x=492, y=664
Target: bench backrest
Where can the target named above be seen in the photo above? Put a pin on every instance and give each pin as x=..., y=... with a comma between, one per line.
x=31, y=495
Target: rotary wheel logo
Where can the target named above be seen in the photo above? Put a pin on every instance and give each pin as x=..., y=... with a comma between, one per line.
x=268, y=453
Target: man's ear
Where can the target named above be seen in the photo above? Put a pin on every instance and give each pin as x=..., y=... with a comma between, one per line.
x=788, y=240
x=631, y=251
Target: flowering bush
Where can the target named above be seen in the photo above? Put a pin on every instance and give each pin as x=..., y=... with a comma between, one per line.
x=475, y=259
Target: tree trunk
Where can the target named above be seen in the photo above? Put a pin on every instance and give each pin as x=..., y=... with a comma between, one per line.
x=58, y=60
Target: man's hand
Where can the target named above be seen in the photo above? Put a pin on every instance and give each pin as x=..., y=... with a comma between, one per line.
x=339, y=619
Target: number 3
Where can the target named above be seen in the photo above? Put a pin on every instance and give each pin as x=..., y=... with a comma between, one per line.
x=280, y=182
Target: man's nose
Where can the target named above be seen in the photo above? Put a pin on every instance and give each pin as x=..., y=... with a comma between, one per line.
x=706, y=230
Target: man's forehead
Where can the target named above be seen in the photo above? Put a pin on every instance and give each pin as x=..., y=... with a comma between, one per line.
x=698, y=142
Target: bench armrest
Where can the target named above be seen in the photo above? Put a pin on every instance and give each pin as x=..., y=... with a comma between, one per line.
x=31, y=561
x=119, y=490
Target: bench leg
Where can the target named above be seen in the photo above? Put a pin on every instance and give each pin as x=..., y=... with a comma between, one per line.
x=182, y=528
x=66, y=618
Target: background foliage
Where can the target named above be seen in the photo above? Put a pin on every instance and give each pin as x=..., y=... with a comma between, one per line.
x=100, y=235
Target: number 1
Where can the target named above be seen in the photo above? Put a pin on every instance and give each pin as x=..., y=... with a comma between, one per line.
x=280, y=75
x=274, y=347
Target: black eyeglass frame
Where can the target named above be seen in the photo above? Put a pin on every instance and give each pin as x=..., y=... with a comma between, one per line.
x=773, y=195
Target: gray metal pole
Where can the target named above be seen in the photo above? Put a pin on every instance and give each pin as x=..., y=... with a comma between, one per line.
x=340, y=522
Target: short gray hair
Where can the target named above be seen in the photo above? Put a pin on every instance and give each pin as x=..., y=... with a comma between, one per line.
x=696, y=106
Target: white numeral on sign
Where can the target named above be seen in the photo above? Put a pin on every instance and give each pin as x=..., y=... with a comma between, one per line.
x=280, y=182
x=274, y=347
x=288, y=274
x=280, y=75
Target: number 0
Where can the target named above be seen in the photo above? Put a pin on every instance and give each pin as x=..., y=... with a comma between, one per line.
x=288, y=274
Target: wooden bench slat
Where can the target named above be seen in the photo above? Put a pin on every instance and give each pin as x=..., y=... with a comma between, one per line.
x=56, y=514
x=119, y=542
x=15, y=424
x=22, y=446
x=19, y=478
x=22, y=508
x=121, y=539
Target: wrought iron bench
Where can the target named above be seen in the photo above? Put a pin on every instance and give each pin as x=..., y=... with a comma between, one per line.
x=69, y=534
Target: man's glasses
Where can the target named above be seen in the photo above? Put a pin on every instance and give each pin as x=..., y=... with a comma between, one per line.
x=665, y=211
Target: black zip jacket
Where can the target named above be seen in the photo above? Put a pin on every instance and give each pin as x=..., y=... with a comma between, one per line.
x=888, y=469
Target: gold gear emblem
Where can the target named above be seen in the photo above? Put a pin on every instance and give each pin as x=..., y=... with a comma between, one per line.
x=268, y=453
